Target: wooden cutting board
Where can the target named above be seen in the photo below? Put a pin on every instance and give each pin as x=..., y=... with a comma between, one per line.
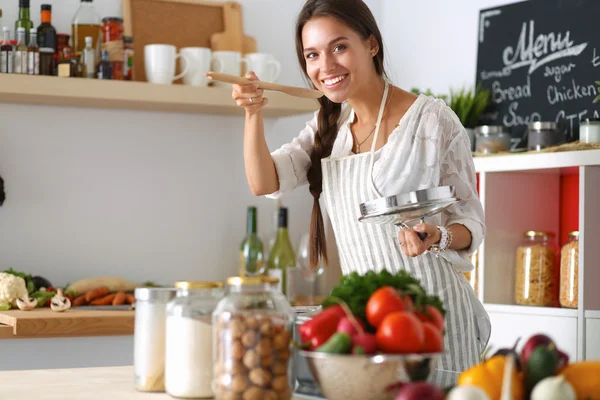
x=233, y=38
x=44, y=322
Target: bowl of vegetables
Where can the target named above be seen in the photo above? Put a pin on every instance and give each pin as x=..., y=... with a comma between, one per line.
x=375, y=332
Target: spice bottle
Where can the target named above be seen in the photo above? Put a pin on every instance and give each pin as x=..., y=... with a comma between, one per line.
x=536, y=270
x=569, y=272
x=189, y=342
x=149, y=338
x=253, y=330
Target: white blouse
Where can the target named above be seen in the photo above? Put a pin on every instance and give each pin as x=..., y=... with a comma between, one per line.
x=428, y=148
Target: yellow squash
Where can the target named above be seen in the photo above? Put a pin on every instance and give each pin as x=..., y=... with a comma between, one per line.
x=488, y=376
x=584, y=377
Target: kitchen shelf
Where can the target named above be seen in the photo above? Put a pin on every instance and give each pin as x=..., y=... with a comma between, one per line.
x=525, y=162
x=125, y=95
x=592, y=314
x=530, y=310
x=45, y=323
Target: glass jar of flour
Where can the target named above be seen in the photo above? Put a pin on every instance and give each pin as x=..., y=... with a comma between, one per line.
x=189, y=343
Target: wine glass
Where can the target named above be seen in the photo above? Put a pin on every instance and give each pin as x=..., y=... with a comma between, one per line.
x=303, y=264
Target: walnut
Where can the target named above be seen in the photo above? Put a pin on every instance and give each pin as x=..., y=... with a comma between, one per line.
x=239, y=383
x=253, y=393
x=280, y=383
x=237, y=350
x=265, y=327
x=252, y=323
x=237, y=327
x=249, y=339
x=280, y=368
x=251, y=359
x=260, y=377
x=281, y=341
x=264, y=347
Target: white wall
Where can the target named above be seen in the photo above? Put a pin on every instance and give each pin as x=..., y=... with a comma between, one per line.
x=433, y=43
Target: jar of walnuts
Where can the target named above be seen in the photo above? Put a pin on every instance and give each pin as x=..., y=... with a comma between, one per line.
x=569, y=272
x=252, y=328
x=537, y=272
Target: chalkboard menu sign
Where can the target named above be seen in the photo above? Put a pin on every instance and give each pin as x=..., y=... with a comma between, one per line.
x=540, y=59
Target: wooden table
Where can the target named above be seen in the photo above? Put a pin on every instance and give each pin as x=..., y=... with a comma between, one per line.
x=107, y=383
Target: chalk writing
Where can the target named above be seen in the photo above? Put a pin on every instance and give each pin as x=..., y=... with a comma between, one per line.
x=558, y=71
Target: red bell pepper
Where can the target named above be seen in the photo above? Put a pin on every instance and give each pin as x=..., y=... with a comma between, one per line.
x=321, y=327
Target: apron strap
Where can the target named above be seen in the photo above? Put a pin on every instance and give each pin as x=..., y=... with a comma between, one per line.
x=372, y=152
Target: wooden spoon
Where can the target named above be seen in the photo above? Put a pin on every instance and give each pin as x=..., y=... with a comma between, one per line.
x=291, y=90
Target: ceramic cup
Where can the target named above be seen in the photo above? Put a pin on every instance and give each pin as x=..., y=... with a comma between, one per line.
x=227, y=62
x=200, y=63
x=159, y=63
x=264, y=65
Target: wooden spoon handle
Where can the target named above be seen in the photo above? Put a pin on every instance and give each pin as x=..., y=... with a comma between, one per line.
x=291, y=90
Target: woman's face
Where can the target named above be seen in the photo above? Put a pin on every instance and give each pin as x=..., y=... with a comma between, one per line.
x=338, y=60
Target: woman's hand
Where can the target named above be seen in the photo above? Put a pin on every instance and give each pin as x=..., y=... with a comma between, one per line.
x=249, y=96
x=412, y=245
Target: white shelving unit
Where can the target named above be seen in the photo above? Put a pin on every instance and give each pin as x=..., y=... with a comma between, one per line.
x=521, y=193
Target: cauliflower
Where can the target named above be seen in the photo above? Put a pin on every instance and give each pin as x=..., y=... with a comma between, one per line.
x=11, y=288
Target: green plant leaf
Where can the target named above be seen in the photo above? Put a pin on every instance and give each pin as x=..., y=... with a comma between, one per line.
x=597, y=99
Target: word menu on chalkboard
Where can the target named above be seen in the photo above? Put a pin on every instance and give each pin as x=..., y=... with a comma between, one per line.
x=540, y=59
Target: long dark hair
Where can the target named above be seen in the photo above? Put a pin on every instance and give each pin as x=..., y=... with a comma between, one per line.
x=356, y=15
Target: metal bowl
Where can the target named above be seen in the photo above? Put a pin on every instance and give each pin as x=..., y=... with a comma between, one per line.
x=356, y=377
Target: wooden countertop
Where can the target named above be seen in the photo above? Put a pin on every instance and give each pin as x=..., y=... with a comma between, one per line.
x=114, y=383
x=45, y=323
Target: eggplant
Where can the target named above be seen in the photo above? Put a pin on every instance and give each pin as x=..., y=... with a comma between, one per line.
x=40, y=282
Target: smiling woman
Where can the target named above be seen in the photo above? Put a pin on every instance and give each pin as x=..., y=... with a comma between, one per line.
x=371, y=139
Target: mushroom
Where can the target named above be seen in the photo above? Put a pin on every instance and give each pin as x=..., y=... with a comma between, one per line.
x=26, y=304
x=59, y=302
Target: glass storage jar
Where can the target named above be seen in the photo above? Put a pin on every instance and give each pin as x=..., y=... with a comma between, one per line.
x=189, y=342
x=536, y=271
x=149, y=338
x=589, y=131
x=569, y=272
x=491, y=139
x=541, y=135
x=253, y=327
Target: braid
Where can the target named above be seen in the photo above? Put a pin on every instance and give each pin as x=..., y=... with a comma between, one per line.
x=325, y=136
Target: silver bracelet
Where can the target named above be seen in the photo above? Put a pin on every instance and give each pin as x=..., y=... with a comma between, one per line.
x=445, y=241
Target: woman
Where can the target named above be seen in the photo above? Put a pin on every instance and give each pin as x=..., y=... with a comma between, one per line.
x=415, y=142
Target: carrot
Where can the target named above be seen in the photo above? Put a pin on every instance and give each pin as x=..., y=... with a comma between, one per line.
x=104, y=301
x=130, y=298
x=96, y=293
x=119, y=299
x=80, y=301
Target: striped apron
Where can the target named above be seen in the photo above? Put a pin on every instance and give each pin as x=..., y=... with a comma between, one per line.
x=347, y=182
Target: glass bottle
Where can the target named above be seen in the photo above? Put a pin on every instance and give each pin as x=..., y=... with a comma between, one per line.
x=128, y=55
x=24, y=20
x=6, y=53
x=0, y=17
x=251, y=251
x=65, y=66
x=569, y=272
x=86, y=22
x=20, y=55
x=112, y=41
x=252, y=329
x=89, y=59
x=537, y=274
x=77, y=65
x=189, y=341
x=33, y=55
x=282, y=254
x=104, y=67
x=47, y=41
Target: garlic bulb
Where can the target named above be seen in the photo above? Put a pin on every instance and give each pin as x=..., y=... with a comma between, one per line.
x=553, y=388
x=467, y=392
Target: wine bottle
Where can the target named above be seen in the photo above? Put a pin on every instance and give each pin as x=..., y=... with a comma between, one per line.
x=282, y=254
x=24, y=20
x=46, y=35
x=252, y=261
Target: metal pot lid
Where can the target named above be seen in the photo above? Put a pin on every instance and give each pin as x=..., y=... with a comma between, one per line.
x=404, y=207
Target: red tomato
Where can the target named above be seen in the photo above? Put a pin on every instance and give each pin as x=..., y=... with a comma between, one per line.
x=382, y=302
x=408, y=301
x=400, y=332
x=434, y=341
x=432, y=315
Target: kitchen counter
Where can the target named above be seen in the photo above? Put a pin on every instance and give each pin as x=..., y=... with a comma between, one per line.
x=114, y=383
x=45, y=323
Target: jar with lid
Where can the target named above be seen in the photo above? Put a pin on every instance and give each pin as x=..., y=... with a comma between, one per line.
x=149, y=338
x=253, y=327
x=128, y=54
x=491, y=139
x=189, y=342
x=536, y=270
x=541, y=135
x=569, y=272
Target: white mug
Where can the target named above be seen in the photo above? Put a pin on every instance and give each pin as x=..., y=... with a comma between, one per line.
x=264, y=65
x=227, y=62
x=159, y=63
x=200, y=59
